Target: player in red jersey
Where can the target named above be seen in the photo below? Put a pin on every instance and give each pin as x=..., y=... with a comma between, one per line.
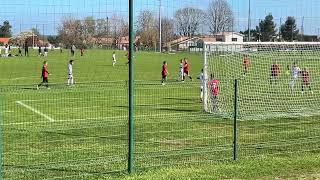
x=275, y=72
x=81, y=51
x=214, y=90
x=186, y=69
x=245, y=64
x=305, y=75
x=128, y=57
x=164, y=72
x=44, y=75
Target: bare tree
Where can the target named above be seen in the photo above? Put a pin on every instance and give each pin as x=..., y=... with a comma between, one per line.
x=71, y=31
x=167, y=29
x=101, y=28
x=118, y=28
x=147, y=28
x=188, y=21
x=220, y=16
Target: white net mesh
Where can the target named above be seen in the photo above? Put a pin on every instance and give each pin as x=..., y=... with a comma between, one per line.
x=275, y=79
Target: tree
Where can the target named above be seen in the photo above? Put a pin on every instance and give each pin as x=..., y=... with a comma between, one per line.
x=188, y=20
x=167, y=30
x=53, y=40
x=71, y=32
x=220, y=16
x=255, y=36
x=147, y=28
x=267, y=28
x=35, y=31
x=5, y=30
x=101, y=28
x=118, y=28
x=289, y=30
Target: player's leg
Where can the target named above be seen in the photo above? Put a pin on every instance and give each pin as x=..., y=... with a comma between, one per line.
x=201, y=93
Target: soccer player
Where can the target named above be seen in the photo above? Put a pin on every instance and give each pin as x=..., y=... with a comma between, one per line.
x=44, y=75
x=114, y=59
x=181, y=72
x=305, y=80
x=214, y=89
x=186, y=69
x=70, y=73
x=128, y=56
x=19, y=51
x=202, y=84
x=81, y=51
x=295, y=71
x=275, y=72
x=26, y=49
x=45, y=51
x=245, y=64
x=6, y=50
x=73, y=50
x=39, y=51
x=164, y=72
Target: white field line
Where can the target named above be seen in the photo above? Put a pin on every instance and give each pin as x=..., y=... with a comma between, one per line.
x=111, y=98
x=101, y=118
x=35, y=111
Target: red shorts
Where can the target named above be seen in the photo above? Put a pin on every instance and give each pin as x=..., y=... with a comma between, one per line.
x=186, y=73
x=306, y=83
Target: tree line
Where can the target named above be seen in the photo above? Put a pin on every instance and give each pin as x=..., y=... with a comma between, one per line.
x=266, y=30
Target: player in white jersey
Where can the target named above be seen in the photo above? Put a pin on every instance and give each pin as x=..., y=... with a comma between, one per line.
x=202, y=84
x=70, y=73
x=181, y=72
x=114, y=59
x=6, y=50
x=295, y=72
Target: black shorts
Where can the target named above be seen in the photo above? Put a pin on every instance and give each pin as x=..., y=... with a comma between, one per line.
x=164, y=76
x=45, y=79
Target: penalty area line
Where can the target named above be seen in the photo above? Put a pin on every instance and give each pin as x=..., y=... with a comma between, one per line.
x=35, y=111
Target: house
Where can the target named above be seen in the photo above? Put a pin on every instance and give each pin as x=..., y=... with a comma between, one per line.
x=229, y=37
x=4, y=41
x=193, y=44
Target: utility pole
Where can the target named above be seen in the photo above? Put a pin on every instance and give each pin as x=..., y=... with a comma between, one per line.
x=302, y=28
x=160, y=28
x=249, y=22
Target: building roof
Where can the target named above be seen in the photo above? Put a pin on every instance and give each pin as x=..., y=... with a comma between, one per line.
x=4, y=40
x=228, y=33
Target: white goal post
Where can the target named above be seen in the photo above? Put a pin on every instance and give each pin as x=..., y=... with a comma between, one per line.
x=276, y=79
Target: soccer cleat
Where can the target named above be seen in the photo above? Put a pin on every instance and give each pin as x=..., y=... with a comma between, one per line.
x=311, y=92
x=37, y=87
x=163, y=84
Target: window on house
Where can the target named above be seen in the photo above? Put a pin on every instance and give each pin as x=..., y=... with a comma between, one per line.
x=219, y=40
x=234, y=39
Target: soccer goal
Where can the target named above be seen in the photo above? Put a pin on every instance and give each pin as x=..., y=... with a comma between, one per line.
x=275, y=79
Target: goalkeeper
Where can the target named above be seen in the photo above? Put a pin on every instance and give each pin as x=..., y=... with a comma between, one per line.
x=214, y=89
x=305, y=80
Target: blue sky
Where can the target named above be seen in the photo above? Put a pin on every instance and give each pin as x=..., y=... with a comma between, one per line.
x=46, y=14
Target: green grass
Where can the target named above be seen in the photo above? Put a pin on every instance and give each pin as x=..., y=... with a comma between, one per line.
x=81, y=131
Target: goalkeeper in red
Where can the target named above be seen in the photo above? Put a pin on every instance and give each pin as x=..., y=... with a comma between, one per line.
x=275, y=72
x=305, y=75
x=164, y=72
x=214, y=89
x=246, y=64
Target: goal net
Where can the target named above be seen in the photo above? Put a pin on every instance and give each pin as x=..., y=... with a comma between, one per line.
x=274, y=79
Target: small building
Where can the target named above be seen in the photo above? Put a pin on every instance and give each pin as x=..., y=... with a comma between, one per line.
x=4, y=41
x=191, y=44
x=229, y=37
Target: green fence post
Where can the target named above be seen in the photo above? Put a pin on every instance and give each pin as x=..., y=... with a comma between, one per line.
x=235, y=112
x=1, y=137
x=131, y=95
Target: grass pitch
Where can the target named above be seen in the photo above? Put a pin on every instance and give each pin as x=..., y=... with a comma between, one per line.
x=81, y=131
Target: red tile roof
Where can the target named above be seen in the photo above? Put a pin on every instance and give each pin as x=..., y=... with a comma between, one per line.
x=4, y=40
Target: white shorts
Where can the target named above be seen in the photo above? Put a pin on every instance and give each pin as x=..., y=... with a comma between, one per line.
x=70, y=76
